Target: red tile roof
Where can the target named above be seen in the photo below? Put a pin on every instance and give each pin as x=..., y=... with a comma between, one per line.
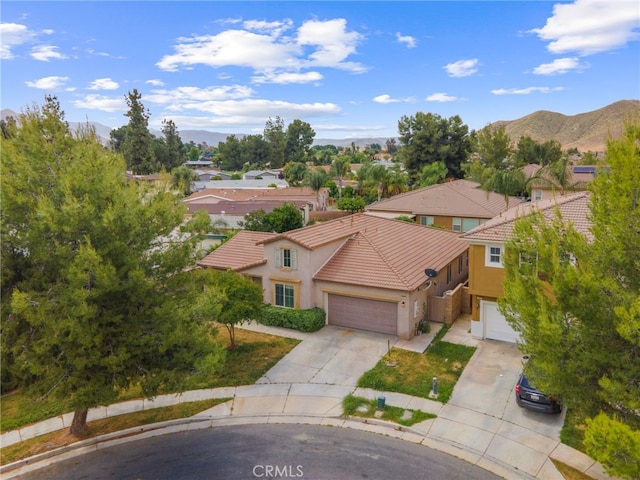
x=379, y=252
x=238, y=253
x=573, y=208
x=459, y=198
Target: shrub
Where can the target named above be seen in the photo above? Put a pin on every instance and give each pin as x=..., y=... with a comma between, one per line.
x=309, y=320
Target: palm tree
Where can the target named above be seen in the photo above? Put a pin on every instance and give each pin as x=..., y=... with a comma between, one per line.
x=340, y=168
x=380, y=175
x=557, y=175
x=316, y=180
x=182, y=178
x=505, y=182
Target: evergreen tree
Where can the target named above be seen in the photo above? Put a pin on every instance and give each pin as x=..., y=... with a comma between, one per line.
x=96, y=287
x=137, y=147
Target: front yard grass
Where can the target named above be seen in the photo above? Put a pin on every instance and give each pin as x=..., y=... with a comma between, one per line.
x=412, y=373
x=361, y=407
x=61, y=438
x=255, y=353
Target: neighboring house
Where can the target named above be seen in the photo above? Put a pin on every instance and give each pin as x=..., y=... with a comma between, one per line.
x=209, y=175
x=198, y=163
x=232, y=212
x=239, y=184
x=459, y=205
x=255, y=174
x=544, y=187
x=486, y=272
x=315, y=201
x=366, y=272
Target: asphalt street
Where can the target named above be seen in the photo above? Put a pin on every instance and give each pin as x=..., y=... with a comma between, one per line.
x=265, y=451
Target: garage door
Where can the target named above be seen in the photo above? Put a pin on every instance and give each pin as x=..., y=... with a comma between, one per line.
x=495, y=325
x=363, y=313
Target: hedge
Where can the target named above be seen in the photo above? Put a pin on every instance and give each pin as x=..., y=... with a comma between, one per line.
x=309, y=320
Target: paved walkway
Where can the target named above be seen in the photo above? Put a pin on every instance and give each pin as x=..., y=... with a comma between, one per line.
x=480, y=424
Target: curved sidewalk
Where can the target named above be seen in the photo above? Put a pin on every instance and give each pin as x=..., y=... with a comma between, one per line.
x=488, y=434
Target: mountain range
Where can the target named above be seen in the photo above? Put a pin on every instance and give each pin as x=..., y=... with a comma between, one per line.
x=585, y=131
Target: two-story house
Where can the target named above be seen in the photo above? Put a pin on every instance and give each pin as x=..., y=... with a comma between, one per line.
x=459, y=205
x=486, y=250
x=366, y=272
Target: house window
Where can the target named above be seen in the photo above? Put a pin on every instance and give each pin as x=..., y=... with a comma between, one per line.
x=537, y=194
x=285, y=295
x=494, y=256
x=457, y=224
x=469, y=223
x=415, y=309
x=448, y=274
x=460, y=264
x=286, y=258
x=426, y=221
x=528, y=263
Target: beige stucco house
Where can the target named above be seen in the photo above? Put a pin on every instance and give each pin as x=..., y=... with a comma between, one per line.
x=366, y=272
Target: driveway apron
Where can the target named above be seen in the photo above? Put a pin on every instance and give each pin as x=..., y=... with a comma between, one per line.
x=333, y=355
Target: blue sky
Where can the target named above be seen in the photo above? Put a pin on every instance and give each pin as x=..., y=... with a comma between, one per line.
x=350, y=69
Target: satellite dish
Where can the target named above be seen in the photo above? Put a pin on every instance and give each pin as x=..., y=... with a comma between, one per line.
x=431, y=273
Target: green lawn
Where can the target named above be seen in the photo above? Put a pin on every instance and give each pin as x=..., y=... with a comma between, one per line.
x=254, y=354
x=412, y=373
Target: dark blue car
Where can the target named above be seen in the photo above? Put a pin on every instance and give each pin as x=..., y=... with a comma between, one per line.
x=528, y=396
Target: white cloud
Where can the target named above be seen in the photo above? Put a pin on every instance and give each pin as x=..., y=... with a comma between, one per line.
x=462, y=68
x=103, y=84
x=287, y=77
x=525, y=91
x=101, y=102
x=48, y=83
x=388, y=99
x=590, y=26
x=180, y=95
x=155, y=82
x=13, y=35
x=385, y=99
x=441, y=97
x=263, y=47
x=44, y=53
x=560, y=66
x=409, y=41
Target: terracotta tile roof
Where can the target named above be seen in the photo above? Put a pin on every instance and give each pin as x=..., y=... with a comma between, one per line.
x=460, y=198
x=239, y=252
x=240, y=207
x=290, y=193
x=574, y=208
x=379, y=252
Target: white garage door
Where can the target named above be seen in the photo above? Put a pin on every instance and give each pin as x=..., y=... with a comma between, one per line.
x=363, y=314
x=495, y=325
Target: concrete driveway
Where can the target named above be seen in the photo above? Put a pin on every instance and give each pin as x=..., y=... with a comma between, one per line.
x=333, y=355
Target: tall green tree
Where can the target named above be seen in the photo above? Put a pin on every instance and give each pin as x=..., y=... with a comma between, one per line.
x=432, y=173
x=274, y=134
x=254, y=150
x=493, y=146
x=300, y=137
x=175, y=154
x=428, y=138
x=230, y=154
x=285, y=218
x=97, y=292
x=576, y=303
x=505, y=182
x=137, y=147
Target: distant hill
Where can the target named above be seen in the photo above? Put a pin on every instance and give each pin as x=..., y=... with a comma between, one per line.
x=585, y=131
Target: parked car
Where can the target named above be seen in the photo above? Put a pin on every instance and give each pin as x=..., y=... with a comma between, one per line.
x=528, y=396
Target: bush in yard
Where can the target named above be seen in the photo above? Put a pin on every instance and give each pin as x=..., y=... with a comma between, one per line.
x=310, y=320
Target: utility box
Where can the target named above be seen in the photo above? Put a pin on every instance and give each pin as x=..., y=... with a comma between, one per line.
x=381, y=401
